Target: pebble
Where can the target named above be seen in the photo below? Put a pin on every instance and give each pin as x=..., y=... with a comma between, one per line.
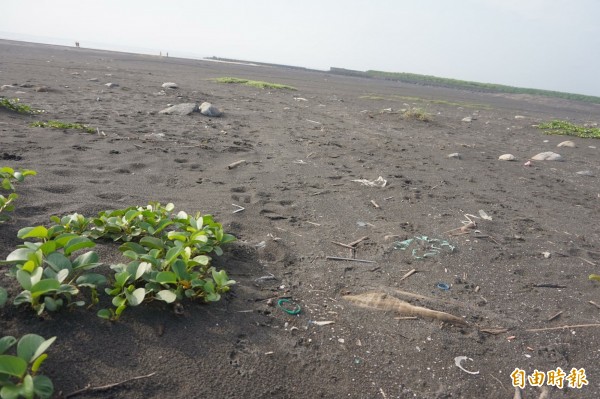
x=170, y=85
x=41, y=89
x=519, y=117
x=93, y=80
x=567, y=143
x=547, y=156
x=455, y=155
x=507, y=157
x=209, y=110
x=111, y=85
x=467, y=119
x=6, y=87
x=180, y=109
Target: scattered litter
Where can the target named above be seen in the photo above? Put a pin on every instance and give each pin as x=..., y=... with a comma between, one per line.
x=484, y=215
x=349, y=259
x=443, y=286
x=266, y=278
x=383, y=301
x=379, y=182
x=240, y=208
x=294, y=310
x=528, y=163
x=261, y=244
x=364, y=224
x=236, y=164
x=425, y=247
x=458, y=362
x=322, y=323
x=375, y=204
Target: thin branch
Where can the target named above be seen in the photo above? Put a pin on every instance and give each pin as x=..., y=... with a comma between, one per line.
x=562, y=327
x=89, y=388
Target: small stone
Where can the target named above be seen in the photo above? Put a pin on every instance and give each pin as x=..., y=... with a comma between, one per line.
x=209, y=110
x=180, y=109
x=547, y=156
x=170, y=85
x=546, y=254
x=592, y=146
x=455, y=155
x=93, y=80
x=519, y=117
x=467, y=119
x=507, y=157
x=41, y=89
x=111, y=85
x=567, y=143
x=341, y=340
x=585, y=173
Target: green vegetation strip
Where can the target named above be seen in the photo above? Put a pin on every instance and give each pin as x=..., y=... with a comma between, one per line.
x=63, y=125
x=378, y=97
x=565, y=128
x=15, y=106
x=254, y=83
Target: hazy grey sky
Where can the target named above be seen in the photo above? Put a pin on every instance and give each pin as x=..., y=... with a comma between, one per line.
x=548, y=44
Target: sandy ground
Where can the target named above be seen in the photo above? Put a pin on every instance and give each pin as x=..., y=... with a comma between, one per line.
x=297, y=188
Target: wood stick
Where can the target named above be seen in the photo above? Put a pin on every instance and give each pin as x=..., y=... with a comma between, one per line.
x=354, y=243
x=585, y=260
x=406, y=318
x=89, y=388
x=236, y=164
x=375, y=204
x=407, y=275
x=349, y=259
x=343, y=245
x=555, y=316
x=562, y=327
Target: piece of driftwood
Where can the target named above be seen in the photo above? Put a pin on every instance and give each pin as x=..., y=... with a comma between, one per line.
x=383, y=301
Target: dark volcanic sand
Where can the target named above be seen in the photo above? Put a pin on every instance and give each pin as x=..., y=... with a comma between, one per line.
x=243, y=348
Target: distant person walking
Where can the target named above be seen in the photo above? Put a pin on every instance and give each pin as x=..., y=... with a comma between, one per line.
x=77, y=44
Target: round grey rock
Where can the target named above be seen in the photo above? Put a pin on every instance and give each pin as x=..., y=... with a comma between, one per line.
x=180, y=109
x=209, y=110
x=547, y=156
x=170, y=85
x=585, y=173
x=455, y=155
x=110, y=85
x=507, y=157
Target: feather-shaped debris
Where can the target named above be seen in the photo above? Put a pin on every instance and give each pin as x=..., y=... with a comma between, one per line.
x=383, y=301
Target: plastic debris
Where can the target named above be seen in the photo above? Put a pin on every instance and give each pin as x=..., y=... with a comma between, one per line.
x=322, y=323
x=379, y=182
x=294, y=310
x=458, y=362
x=427, y=247
x=484, y=215
x=443, y=286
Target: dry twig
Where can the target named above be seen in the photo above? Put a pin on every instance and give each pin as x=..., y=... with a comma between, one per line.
x=89, y=388
x=562, y=327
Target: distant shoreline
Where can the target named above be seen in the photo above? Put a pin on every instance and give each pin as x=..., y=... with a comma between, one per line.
x=411, y=78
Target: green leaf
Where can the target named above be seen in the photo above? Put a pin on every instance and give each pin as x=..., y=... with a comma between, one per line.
x=24, y=278
x=10, y=391
x=44, y=286
x=3, y=299
x=12, y=365
x=133, y=246
x=23, y=297
x=50, y=304
x=19, y=255
x=176, y=236
x=78, y=243
x=218, y=251
x=33, y=232
x=91, y=280
x=136, y=297
x=62, y=275
x=38, y=363
x=131, y=254
x=28, y=345
x=152, y=242
x=121, y=278
x=86, y=261
x=172, y=254
x=64, y=238
x=6, y=343
x=166, y=295
x=166, y=278
x=180, y=270
x=202, y=259
x=169, y=207
x=227, y=238
x=104, y=314
x=595, y=277
x=58, y=262
x=27, y=387
x=43, y=387
x=48, y=247
x=142, y=268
